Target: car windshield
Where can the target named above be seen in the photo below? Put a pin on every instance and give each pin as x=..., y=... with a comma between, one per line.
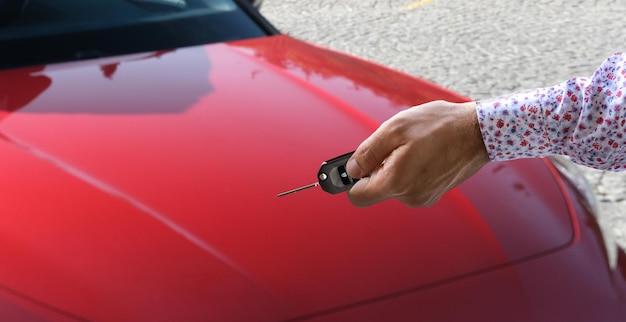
x=45, y=31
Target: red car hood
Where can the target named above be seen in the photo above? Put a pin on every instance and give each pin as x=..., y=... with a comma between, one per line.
x=144, y=188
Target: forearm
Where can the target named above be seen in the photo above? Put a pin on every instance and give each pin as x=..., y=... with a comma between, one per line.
x=581, y=118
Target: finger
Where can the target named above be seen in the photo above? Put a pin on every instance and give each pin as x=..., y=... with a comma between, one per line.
x=363, y=194
x=371, y=153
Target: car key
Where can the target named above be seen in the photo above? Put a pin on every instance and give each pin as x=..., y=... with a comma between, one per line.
x=332, y=177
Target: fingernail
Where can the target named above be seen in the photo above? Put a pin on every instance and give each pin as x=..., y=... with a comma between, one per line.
x=353, y=168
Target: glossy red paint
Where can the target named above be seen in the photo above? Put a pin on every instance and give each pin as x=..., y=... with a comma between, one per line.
x=143, y=188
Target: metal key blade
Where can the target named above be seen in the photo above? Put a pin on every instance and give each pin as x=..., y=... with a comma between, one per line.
x=315, y=184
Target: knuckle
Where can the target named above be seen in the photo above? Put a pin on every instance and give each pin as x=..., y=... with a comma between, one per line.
x=398, y=191
x=397, y=124
x=431, y=201
x=414, y=202
x=369, y=156
x=414, y=197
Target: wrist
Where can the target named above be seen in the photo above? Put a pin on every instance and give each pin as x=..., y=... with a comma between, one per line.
x=472, y=135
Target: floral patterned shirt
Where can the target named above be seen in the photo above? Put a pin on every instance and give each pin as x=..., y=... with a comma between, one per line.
x=583, y=118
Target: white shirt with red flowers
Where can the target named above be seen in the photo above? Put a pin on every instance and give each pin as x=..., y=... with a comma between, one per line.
x=583, y=118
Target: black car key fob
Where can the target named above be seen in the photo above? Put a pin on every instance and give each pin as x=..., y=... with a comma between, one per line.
x=333, y=176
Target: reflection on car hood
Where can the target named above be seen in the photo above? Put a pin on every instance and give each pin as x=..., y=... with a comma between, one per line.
x=143, y=188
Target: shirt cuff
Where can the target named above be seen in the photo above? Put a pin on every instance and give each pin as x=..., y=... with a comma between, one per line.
x=514, y=126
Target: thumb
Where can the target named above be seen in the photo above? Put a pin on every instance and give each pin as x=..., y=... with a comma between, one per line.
x=370, y=154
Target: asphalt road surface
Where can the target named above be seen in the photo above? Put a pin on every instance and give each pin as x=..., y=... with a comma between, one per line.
x=479, y=48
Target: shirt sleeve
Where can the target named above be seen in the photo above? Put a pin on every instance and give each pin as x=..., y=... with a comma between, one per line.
x=583, y=118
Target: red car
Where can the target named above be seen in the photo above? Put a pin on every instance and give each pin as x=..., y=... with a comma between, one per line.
x=142, y=147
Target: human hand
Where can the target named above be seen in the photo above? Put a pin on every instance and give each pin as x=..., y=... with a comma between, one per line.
x=418, y=155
